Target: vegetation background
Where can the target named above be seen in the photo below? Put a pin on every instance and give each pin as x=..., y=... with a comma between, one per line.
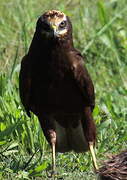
x=100, y=33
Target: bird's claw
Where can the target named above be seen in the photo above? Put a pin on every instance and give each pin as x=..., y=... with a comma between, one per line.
x=52, y=174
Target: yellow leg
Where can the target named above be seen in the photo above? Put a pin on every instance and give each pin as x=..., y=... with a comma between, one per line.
x=93, y=155
x=53, y=158
x=53, y=143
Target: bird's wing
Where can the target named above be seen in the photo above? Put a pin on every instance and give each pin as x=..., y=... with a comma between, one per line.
x=82, y=78
x=25, y=83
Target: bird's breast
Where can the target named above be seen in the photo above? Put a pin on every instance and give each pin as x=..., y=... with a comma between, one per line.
x=57, y=95
x=53, y=88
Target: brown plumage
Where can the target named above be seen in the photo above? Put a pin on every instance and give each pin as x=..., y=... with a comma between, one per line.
x=115, y=168
x=55, y=85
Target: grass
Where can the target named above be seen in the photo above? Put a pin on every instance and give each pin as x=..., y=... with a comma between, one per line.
x=100, y=33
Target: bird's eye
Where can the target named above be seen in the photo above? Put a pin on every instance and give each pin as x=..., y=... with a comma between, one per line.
x=63, y=24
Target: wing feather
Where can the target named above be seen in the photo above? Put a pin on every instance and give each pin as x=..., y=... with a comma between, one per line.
x=83, y=79
x=25, y=84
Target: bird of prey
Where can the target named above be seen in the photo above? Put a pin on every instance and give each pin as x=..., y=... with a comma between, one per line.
x=55, y=85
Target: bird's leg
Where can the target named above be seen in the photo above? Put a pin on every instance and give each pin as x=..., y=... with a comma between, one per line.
x=93, y=155
x=53, y=143
x=53, y=158
x=90, y=132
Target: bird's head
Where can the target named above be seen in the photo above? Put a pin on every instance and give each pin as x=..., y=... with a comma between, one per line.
x=54, y=24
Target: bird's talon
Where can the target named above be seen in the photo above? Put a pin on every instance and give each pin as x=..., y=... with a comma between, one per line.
x=51, y=174
x=54, y=173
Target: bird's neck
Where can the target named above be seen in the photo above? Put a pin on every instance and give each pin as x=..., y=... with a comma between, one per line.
x=65, y=44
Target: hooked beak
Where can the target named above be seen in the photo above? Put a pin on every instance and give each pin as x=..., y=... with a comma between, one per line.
x=55, y=30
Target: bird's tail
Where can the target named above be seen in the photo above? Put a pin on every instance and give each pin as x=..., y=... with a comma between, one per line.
x=70, y=138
